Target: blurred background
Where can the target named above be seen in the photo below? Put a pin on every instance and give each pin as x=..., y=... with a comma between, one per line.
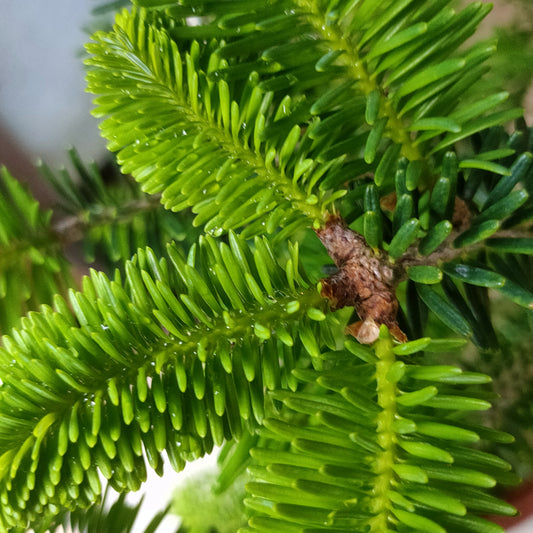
x=43, y=104
x=44, y=109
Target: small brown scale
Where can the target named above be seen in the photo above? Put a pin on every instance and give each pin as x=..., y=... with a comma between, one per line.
x=365, y=280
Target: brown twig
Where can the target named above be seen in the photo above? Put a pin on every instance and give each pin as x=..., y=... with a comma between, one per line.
x=365, y=280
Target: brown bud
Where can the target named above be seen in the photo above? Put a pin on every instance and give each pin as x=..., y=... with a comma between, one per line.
x=364, y=280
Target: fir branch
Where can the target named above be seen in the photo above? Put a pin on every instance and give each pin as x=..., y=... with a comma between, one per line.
x=208, y=137
x=32, y=266
x=385, y=436
x=79, y=386
x=110, y=215
x=74, y=228
x=263, y=118
x=400, y=60
x=355, y=68
x=369, y=449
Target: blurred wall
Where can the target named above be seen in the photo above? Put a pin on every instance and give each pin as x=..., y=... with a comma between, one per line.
x=42, y=90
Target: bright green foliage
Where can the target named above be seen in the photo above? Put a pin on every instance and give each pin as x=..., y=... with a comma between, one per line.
x=78, y=399
x=210, y=151
x=255, y=121
x=395, y=64
x=379, y=448
x=32, y=266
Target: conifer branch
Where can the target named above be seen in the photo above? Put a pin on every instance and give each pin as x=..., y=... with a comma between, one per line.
x=354, y=64
x=269, y=118
x=209, y=127
x=386, y=436
x=81, y=387
x=74, y=228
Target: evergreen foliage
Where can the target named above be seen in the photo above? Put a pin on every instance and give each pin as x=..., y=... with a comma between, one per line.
x=107, y=517
x=28, y=246
x=258, y=122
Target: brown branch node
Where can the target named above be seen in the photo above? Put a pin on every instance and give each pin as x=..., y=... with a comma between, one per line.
x=365, y=280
